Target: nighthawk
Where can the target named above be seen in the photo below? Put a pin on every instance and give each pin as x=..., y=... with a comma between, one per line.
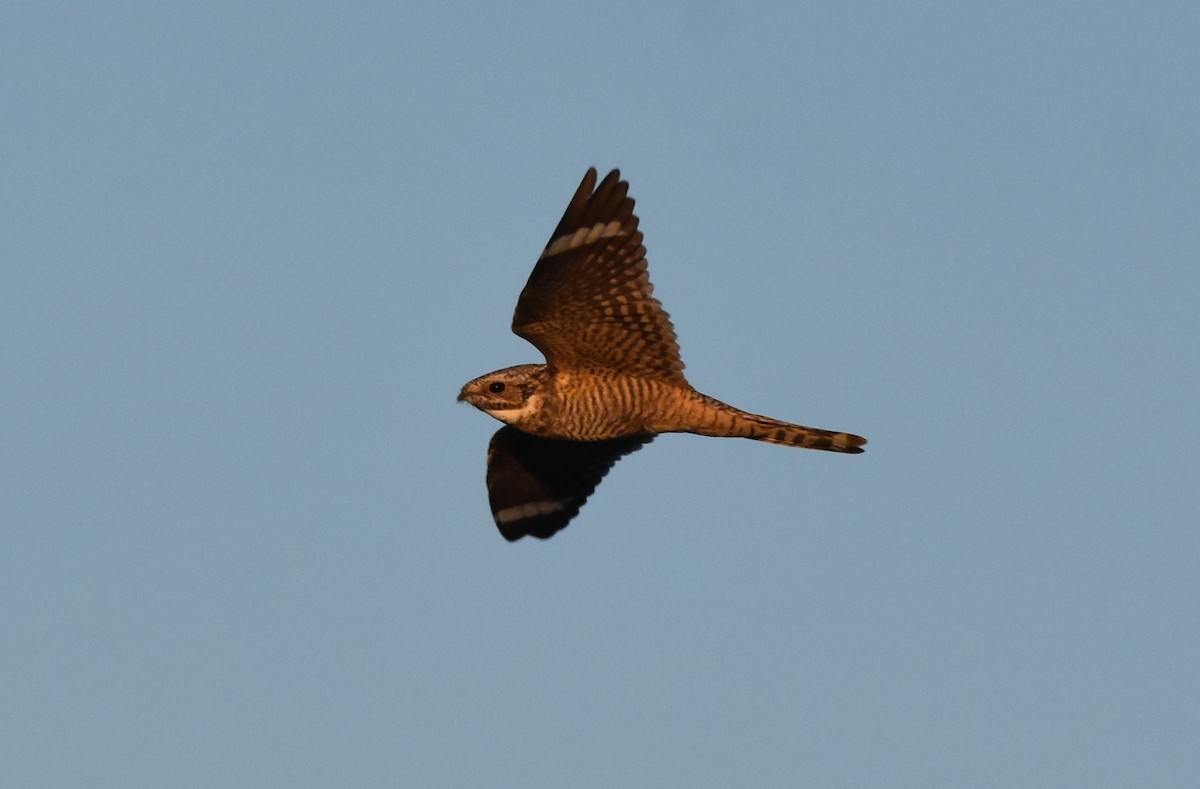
x=612, y=380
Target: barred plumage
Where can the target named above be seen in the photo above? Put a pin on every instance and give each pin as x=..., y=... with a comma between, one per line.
x=613, y=378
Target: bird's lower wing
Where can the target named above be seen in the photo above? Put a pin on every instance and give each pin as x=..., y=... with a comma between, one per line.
x=537, y=485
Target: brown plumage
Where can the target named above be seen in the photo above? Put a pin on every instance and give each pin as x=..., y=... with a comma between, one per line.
x=613, y=377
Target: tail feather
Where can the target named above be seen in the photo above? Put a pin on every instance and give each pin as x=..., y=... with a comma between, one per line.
x=711, y=417
x=774, y=431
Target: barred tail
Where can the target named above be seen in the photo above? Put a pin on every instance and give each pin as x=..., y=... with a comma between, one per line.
x=774, y=431
x=719, y=419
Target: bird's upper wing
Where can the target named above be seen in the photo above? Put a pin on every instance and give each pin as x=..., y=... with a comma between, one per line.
x=536, y=485
x=588, y=303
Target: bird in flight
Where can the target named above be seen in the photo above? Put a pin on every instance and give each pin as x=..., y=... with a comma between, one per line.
x=612, y=380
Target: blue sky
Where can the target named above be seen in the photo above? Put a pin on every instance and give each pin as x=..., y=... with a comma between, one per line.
x=251, y=252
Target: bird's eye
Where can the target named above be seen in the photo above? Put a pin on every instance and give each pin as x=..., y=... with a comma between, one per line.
x=496, y=387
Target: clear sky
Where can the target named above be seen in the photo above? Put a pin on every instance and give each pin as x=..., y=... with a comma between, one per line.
x=250, y=252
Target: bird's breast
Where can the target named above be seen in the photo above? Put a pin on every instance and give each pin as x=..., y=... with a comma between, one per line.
x=594, y=407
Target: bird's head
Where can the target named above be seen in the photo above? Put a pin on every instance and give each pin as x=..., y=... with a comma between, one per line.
x=511, y=395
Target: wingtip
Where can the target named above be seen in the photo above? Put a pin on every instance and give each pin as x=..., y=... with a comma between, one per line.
x=588, y=184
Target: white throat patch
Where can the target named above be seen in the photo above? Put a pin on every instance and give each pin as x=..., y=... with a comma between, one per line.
x=515, y=416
